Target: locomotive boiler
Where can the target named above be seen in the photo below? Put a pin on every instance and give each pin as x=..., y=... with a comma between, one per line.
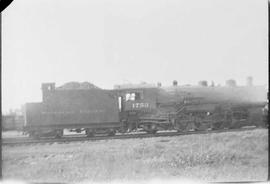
x=187, y=108
x=141, y=108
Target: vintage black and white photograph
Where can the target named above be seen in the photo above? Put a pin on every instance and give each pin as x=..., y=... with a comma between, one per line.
x=135, y=91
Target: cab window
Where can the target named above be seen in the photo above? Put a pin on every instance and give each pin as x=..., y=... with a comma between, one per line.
x=133, y=96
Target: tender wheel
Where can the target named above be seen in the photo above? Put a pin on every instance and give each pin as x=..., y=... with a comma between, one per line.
x=34, y=135
x=59, y=134
x=112, y=133
x=181, y=126
x=122, y=130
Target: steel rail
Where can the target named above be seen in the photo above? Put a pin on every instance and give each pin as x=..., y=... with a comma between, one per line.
x=68, y=139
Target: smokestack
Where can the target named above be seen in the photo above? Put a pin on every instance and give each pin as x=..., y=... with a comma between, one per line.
x=249, y=81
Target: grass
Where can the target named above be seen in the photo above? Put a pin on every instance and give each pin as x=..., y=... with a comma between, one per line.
x=234, y=156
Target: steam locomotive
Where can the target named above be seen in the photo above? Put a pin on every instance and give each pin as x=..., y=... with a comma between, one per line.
x=140, y=108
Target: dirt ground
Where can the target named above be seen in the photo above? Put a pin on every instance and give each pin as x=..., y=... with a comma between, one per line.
x=234, y=156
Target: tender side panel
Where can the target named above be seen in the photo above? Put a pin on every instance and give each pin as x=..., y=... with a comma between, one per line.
x=76, y=108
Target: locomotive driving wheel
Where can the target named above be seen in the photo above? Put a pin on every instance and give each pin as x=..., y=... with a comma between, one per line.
x=203, y=121
x=89, y=133
x=150, y=128
x=201, y=125
x=221, y=119
x=181, y=125
x=184, y=122
x=216, y=125
x=152, y=131
x=34, y=134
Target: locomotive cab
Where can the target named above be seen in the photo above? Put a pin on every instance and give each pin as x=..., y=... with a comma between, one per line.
x=134, y=100
x=135, y=104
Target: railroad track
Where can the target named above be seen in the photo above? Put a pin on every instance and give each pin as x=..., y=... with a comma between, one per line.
x=67, y=139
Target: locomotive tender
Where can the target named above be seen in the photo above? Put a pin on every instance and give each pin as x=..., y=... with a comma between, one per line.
x=150, y=109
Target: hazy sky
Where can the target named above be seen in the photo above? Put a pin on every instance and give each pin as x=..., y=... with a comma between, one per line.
x=109, y=42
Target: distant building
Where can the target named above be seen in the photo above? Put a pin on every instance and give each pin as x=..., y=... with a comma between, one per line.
x=203, y=83
x=212, y=84
x=249, y=81
x=231, y=83
x=175, y=83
